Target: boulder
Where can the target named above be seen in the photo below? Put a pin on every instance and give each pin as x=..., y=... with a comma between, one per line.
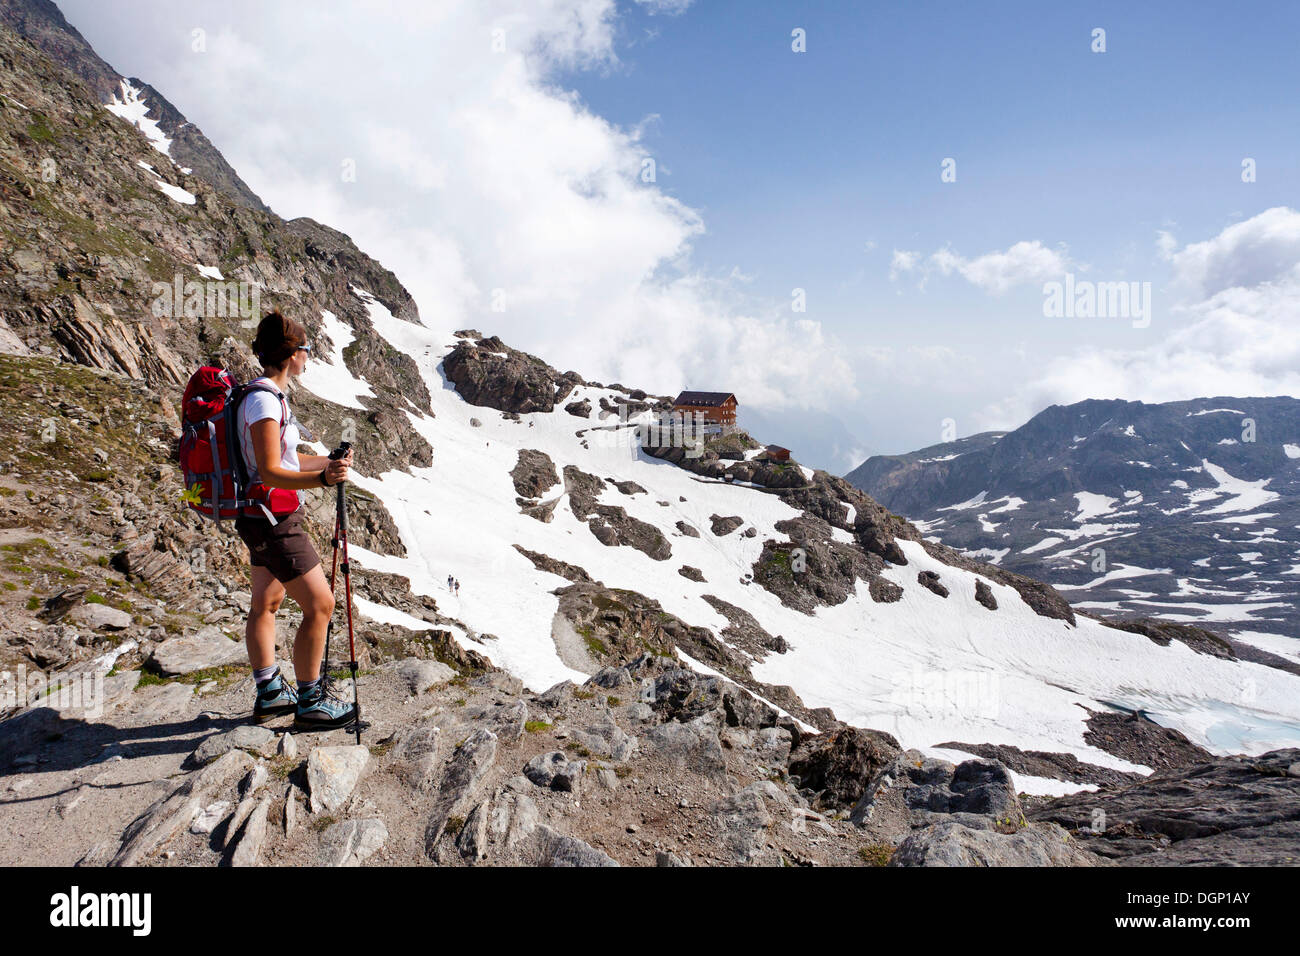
x=421, y=675
x=744, y=819
x=694, y=745
x=333, y=773
x=534, y=473
x=210, y=817
x=172, y=813
x=250, y=738
x=100, y=617
x=204, y=649
x=556, y=771
x=951, y=844
x=460, y=784
x=840, y=765
x=351, y=842
x=472, y=840
x=984, y=594
x=743, y=709
x=921, y=787
x=143, y=561
x=248, y=852
x=558, y=849
x=930, y=581
x=724, y=526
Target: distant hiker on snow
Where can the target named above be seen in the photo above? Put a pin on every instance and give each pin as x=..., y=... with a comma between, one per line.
x=283, y=558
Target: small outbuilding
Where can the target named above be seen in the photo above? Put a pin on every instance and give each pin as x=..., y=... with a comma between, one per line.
x=776, y=453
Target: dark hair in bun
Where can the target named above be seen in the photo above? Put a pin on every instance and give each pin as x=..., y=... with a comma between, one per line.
x=277, y=339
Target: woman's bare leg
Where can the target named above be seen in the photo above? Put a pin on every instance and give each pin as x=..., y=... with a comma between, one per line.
x=313, y=594
x=259, y=634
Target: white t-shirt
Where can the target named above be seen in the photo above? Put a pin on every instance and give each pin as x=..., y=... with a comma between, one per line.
x=255, y=407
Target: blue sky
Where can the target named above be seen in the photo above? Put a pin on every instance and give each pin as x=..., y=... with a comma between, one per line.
x=779, y=170
x=810, y=168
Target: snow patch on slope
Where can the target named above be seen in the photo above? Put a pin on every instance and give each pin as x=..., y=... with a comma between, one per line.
x=330, y=379
x=133, y=108
x=924, y=668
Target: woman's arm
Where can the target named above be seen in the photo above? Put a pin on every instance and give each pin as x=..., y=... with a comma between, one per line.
x=266, y=447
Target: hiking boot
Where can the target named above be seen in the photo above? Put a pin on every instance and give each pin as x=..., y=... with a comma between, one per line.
x=275, y=697
x=318, y=710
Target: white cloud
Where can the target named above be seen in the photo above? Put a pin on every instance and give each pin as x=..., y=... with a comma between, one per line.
x=1237, y=336
x=475, y=172
x=670, y=7
x=902, y=261
x=1024, y=263
x=1243, y=255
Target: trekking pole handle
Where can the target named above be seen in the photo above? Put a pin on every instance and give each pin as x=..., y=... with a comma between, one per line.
x=335, y=455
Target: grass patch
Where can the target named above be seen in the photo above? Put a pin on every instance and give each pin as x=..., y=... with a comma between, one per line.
x=583, y=694
x=614, y=701
x=536, y=726
x=60, y=571
x=222, y=675
x=282, y=767
x=34, y=603
x=876, y=854
x=576, y=748
x=30, y=546
x=149, y=678
x=39, y=130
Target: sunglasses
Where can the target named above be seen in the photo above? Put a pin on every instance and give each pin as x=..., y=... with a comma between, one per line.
x=303, y=348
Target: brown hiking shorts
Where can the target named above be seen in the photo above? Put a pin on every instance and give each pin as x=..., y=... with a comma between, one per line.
x=283, y=548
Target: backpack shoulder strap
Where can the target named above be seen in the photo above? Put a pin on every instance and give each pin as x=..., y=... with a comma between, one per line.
x=237, y=397
x=257, y=385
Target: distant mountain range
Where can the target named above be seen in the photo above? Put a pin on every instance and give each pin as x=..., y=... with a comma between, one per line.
x=1188, y=511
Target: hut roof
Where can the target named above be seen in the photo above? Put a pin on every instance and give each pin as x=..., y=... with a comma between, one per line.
x=706, y=399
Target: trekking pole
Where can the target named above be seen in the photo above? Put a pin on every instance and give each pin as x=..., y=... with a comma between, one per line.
x=347, y=591
x=329, y=628
x=340, y=539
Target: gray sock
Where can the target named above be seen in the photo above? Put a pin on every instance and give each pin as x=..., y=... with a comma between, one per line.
x=307, y=685
x=263, y=674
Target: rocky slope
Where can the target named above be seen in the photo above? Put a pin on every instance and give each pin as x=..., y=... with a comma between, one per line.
x=42, y=24
x=1186, y=511
x=661, y=654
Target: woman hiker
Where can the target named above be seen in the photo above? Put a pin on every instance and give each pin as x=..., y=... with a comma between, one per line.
x=283, y=558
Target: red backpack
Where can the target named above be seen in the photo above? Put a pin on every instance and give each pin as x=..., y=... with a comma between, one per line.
x=217, y=483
